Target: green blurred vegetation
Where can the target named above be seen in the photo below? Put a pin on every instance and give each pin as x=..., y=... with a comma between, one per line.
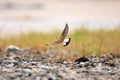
x=82, y=41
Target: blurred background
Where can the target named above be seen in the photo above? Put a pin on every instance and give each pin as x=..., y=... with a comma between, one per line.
x=18, y=16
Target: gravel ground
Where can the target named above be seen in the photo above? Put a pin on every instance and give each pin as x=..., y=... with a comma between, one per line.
x=42, y=68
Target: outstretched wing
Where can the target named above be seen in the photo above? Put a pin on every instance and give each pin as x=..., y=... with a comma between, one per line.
x=65, y=31
x=63, y=35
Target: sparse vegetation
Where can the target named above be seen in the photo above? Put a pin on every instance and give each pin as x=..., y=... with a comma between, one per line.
x=83, y=41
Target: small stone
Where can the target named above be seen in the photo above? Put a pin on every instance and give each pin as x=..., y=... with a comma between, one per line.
x=50, y=78
x=81, y=59
x=12, y=48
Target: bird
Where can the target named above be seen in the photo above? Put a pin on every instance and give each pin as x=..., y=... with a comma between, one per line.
x=66, y=42
x=62, y=38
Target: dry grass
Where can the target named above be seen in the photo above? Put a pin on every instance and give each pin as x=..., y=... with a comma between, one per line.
x=83, y=41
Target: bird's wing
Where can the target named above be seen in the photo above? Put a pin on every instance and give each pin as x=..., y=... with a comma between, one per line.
x=65, y=31
x=63, y=35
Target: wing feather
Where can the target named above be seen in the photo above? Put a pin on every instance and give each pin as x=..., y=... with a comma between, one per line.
x=63, y=35
x=65, y=31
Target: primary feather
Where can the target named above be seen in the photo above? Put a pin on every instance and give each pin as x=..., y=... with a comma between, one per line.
x=62, y=36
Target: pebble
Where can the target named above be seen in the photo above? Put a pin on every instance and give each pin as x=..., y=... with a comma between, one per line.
x=83, y=68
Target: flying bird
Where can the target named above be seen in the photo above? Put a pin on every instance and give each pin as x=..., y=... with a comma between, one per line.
x=66, y=42
x=62, y=37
